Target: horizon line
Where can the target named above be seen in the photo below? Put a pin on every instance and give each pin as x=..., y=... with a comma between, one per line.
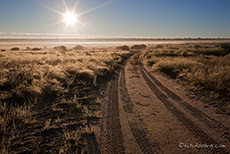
x=21, y=35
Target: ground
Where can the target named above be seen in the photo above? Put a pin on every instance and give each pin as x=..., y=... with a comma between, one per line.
x=104, y=100
x=153, y=114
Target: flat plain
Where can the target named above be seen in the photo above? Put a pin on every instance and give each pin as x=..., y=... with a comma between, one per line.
x=115, y=97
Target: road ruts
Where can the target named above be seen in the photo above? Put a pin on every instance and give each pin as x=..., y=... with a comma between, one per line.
x=137, y=128
x=191, y=126
x=207, y=120
x=114, y=136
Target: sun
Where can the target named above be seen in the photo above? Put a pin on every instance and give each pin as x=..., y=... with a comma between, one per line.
x=70, y=18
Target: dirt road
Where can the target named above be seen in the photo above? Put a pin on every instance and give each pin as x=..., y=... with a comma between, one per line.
x=149, y=113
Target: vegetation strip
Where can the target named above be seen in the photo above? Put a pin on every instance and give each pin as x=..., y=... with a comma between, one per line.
x=192, y=127
x=207, y=120
x=140, y=134
x=203, y=67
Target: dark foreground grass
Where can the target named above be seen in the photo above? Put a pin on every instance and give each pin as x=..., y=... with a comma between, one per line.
x=49, y=97
x=203, y=67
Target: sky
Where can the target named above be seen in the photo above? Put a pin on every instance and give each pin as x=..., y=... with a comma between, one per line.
x=119, y=18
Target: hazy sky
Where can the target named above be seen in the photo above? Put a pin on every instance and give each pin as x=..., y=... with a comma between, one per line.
x=137, y=18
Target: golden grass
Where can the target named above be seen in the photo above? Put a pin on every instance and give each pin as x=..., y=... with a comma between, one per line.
x=204, y=67
x=29, y=73
x=37, y=84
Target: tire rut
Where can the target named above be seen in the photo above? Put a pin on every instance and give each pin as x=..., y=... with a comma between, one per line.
x=115, y=138
x=191, y=126
x=140, y=134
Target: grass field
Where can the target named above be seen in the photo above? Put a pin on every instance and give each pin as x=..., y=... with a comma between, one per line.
x=49, y=97
x=203, y=67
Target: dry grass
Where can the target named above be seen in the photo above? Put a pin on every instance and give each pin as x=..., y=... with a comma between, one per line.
x=204, y=67
x=48, y=96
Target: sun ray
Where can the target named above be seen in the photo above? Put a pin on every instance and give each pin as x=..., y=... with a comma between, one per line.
x=54, y=10
x=95, y=8
x=75, y=5
x=65, y=5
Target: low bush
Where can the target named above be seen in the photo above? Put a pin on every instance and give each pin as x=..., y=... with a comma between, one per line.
x=60, y=48
x=139, y=47
x=15, y=49
x=225, y=46
x=124, y=47
x=36, y=49
x=78, y=47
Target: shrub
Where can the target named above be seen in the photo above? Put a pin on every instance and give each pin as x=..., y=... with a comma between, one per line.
x=36, y=49
x=78, y=47
x=15, y=49
x=61, y=48
x=124, y=47
x=139, y=47
x=225, y=46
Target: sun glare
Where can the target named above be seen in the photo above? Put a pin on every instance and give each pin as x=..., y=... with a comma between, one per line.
x=70, y=18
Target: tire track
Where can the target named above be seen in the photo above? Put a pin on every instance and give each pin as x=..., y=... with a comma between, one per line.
x=115, y=138
x=140, y=134
x=191, y=126
x=128, y=105
x=207, y=120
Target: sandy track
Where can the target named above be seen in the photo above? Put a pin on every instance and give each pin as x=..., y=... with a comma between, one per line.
x=210, y=122
x=191, y=125
x=137, y=128
x=144, y=116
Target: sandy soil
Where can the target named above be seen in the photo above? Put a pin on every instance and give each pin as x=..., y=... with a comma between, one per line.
x=149, y=113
